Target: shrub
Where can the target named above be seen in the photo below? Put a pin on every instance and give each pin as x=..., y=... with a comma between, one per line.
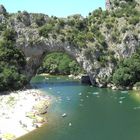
x=109, y=25
x=128, y=72
x=39, y=19
x=9, y=34
x=90, y=36
x=134, y=20
x=124, y=29
x=2, y=26
x=45, y=30
x=12, y=63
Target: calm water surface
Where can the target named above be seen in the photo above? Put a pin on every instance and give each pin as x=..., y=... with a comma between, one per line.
x=92, y=113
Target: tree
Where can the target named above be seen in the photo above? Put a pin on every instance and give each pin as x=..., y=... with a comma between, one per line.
x=59, y=63
x=12, y=63
x=128, y=72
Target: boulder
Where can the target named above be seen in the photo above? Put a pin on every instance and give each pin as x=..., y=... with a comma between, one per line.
x=41, y=107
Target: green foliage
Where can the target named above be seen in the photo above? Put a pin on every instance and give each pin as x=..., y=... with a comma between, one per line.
x=79, y=31
x=10, y=78
x=10, y=54
x=61, y=23
x=2, y=26
x=90, y=34
x=39, y=19
x=124, y=29
x=12, y=62
x=9, y=34
x=45, y=30
x=109, y=25
x=97, y=12
x=59, y=63
x=125, y=9
x=80, y=24
x=128, y=72
x=115, y=35
x=134, y=20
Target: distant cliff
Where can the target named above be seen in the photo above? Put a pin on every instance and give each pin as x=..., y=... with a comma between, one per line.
x=99, y=42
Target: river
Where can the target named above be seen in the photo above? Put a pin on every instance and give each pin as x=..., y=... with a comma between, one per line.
x=92, y=113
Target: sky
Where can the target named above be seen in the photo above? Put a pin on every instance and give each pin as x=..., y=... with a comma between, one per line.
x=59, y=8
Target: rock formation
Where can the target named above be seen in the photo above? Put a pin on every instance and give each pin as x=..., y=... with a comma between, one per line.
x=2, y=9
x=35, y=47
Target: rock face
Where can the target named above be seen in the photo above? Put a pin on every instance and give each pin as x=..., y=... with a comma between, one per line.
x=35, y=54
x=2, y=10
x=35, y=47
x=85, y=79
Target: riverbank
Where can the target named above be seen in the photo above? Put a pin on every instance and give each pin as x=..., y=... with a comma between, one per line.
x=75, y=77
x=22, y=112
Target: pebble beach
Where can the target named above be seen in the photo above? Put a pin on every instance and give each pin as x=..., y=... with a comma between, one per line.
x=21, y=112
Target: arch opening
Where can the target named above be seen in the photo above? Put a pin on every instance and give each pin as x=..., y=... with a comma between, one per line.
x=59, y=63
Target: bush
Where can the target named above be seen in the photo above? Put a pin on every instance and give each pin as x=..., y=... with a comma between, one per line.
x=2, y=26
x=134, y=20
x=9, y=34
x=12, y=63
x=109, y=25
x=10, y=78
x=90, y=36
x=128, y=72
x=124, y=29
x=45, y=30
x=39, y=19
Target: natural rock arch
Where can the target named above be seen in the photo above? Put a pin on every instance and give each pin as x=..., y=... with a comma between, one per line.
x=36, y=52
x=35, y=47
x=96, y=56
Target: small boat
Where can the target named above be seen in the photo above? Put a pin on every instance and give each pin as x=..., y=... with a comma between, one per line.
x=70, y=124
x=64, y=115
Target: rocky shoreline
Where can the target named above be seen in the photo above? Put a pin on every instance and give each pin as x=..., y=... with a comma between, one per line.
x=21, y=112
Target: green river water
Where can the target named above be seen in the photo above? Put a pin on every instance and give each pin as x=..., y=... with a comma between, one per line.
x=92, y=113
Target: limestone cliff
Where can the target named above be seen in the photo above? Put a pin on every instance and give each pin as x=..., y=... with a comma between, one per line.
x=96, y=42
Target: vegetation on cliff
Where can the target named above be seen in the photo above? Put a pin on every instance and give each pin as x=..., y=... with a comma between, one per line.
x=97, y=32
x=12, y=62
x=128, y=71
x=107, y=39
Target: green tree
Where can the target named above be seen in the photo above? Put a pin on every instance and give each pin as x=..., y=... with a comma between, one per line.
x=59, y=63
x=12, y=63
x=128, y=72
